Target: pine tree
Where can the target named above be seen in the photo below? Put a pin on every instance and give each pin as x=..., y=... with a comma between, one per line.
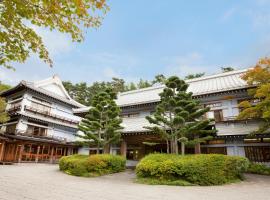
x=101, y=125
x=179, y=118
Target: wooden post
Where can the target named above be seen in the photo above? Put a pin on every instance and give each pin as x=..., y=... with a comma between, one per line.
x=42, y=153
x=197, y=148
x=20, y=154
x=123, y=148
x=69, y=151
x=106, y=149
x=51, y=156
x=2, y=151
x=65, y=151
x=37, y=155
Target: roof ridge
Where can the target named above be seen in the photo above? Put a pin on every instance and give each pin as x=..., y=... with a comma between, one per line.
x=221, y=74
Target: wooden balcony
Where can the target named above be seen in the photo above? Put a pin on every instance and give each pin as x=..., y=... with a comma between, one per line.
x=51, y=115
x=13, y=109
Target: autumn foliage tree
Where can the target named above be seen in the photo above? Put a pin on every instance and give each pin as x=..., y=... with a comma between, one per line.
x=179, y=118
x=18, y=39
x=259, y=76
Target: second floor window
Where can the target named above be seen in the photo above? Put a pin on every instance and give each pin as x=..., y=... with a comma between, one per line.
x=215, y=114
x=41, y=105
x=36, y=131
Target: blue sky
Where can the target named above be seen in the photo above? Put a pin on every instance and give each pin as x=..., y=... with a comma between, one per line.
x=142, y=38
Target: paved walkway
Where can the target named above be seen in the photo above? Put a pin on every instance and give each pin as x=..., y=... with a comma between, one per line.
x=44, y=181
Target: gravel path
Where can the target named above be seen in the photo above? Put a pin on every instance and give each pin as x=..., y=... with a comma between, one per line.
x=44, y=181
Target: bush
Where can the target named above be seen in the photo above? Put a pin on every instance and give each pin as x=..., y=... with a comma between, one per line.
x=255, y=168
x=94, y=165
x=203, y=169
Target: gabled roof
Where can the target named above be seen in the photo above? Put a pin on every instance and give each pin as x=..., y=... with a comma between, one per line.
x=51, y=87
x=200, y=86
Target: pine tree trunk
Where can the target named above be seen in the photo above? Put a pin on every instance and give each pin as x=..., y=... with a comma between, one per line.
x=106, y=149
x=182, y=148
x=197, y=148
x=172, y=146
x=168, y=146
x=176, y=146
x=98, y=146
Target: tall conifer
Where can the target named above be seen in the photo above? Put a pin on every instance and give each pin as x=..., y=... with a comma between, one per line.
x=101, y=125
x=179, y=118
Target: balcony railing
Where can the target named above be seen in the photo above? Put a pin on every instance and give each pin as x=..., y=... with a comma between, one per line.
x=51, y=115
x=50, y=137
x=13, y=109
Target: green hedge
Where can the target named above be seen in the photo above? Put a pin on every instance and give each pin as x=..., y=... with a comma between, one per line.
x=255, y=168
x=94, y=165
x=203, y=169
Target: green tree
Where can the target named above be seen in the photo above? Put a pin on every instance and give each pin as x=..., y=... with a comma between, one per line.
x=160, y=78
x=3, y=114
x=227, y=69
x=259, y=76
x=143, y=84
x=191, y=76
x=178, y=117
x=101, y=125
x=18, y=39
x=117, y=84
x=4, y=87
x=130, y=86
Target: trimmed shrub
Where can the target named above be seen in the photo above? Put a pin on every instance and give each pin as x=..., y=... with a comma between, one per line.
x=203, y=169
x=256, y=168
x=94, y=165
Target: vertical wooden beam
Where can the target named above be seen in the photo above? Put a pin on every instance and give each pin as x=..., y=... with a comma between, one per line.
x=42, y=155
x=123, y=148
x=21, y=152
x=2, y=150
x=37, y=155
x=51, y=156
x=197, y=148
x=65, y=151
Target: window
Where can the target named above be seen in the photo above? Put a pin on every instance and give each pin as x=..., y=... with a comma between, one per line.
x=36, y=131
x=215, y=114
x=11, y=128
x=41, y=105
x=213, y=105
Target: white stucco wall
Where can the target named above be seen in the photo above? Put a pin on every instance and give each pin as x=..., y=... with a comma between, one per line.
x=83, y=151
x=68, y=135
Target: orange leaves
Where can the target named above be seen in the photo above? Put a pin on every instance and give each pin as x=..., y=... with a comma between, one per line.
x=260, y=74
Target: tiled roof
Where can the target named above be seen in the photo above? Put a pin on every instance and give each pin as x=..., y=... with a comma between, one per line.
x=200, y=86
x=134, y=124
x=35, y=86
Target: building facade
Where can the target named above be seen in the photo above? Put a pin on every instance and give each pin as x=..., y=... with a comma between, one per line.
x=222, y=93
x=44, y=119
x=42, y=126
